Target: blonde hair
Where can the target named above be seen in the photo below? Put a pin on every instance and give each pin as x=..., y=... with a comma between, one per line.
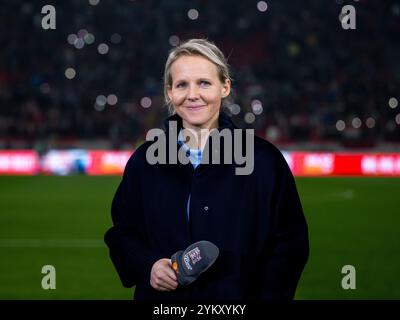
x=197, y=47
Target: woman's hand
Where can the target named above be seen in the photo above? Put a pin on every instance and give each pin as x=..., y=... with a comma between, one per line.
x=162, y=276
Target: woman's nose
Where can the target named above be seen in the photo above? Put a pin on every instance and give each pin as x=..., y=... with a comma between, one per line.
x=193, y=92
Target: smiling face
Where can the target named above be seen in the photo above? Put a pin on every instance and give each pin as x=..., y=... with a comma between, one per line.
x=196, y=91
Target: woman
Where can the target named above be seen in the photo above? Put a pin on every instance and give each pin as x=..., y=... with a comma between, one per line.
x=256, y=220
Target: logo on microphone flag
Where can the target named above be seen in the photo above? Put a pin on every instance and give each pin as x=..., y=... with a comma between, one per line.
x=194, y=256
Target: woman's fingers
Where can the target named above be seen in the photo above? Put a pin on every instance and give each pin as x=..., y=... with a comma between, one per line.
x=171, y=272
x=162, y=277
x=164, y=283
x=161, y=284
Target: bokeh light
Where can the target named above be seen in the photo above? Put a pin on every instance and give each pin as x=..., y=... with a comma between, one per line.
x=70, y=73
x=72, y=38
x=94, y=2
x=174, y=40
x=82, y=33
x=393, y=103
x=340, y=125
x=234, y=109
x=397, y=119
x=370, y=123
x=98, y=107
x=112, y=99
x=101, y=100
x=79, y=43
x=262, y=6
x=257, y=107
x=89, y=38
x=102, y=48
x=249, y=117
x=145, y=102
x=193, y=14
x=356, y=123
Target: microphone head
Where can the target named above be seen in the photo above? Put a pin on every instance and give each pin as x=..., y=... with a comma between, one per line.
x=197, y=258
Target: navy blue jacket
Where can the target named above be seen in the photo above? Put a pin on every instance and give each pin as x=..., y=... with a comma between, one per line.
x=256, y=220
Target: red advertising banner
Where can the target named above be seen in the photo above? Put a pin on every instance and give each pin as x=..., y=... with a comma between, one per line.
x=312, y=164
x=301, y=163
x=19, y=162
x=107, y=162
x=345, y=164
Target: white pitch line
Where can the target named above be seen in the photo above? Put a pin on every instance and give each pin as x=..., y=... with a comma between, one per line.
x=51, y=243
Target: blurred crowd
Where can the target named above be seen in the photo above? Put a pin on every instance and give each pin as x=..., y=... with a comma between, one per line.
x=299, y=77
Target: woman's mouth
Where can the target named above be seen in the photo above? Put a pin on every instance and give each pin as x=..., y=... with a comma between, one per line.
x=195, y=107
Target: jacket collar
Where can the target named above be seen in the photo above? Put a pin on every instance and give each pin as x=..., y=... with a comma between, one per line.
x=224, y=121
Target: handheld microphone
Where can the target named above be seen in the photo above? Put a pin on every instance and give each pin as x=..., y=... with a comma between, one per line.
x=197, y=258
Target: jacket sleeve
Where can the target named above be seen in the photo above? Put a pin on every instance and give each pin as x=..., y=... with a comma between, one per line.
x=288, y=245
x=126, y=239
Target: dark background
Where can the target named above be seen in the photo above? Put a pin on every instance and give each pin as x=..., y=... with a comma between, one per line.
x=295, y=58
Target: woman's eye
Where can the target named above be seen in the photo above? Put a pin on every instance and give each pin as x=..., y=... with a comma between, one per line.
x=204, y=83
x=180, y=85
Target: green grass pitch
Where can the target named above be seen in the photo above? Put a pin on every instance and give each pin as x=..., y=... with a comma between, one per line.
x=60, y=221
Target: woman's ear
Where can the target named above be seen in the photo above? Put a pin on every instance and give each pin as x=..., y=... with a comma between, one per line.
x=226, y=88
x=169, y=93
